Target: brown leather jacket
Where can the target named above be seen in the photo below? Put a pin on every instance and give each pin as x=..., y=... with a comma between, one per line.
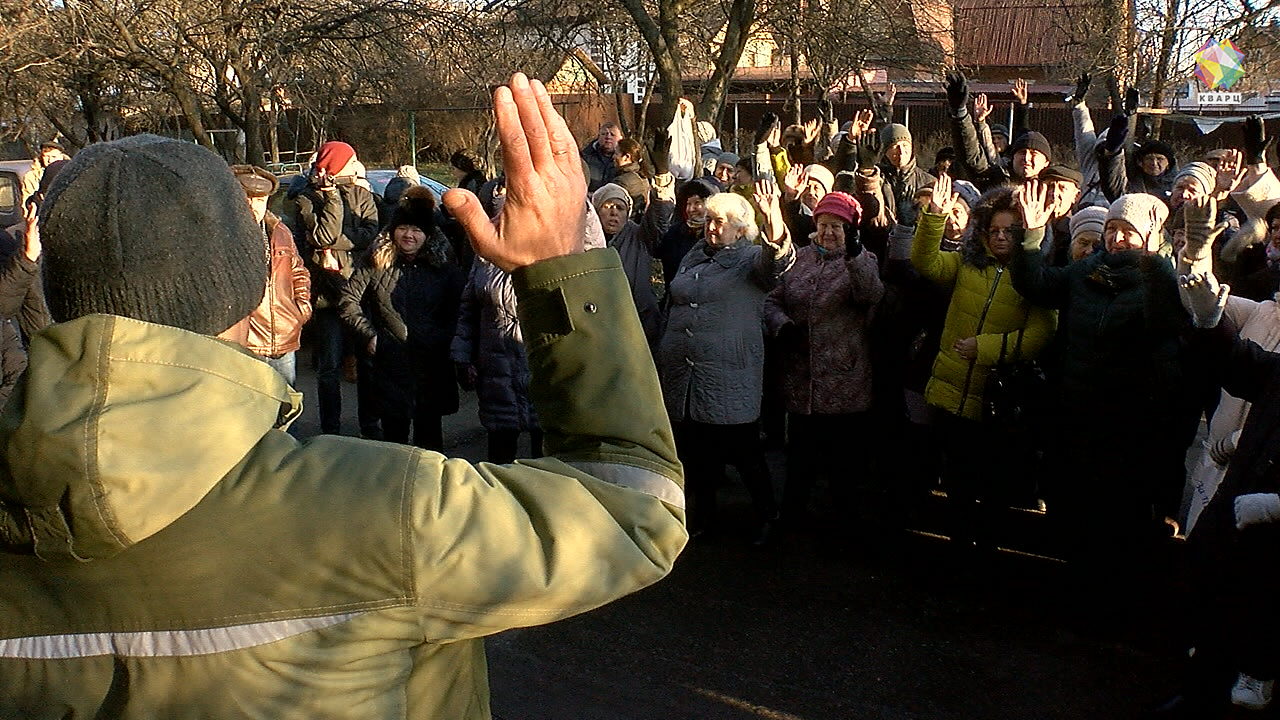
x=276, y=326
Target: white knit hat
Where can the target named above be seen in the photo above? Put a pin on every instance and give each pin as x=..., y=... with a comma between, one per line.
x=1146, y=213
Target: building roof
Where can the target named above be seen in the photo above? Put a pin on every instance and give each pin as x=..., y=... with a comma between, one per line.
x=1013, y=33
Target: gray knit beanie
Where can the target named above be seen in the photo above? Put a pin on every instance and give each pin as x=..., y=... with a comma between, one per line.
x=1146, y=213
x=152, y=229
x=1205, y=174
x=611, y=191
x=1092, y=218
x=892, y=133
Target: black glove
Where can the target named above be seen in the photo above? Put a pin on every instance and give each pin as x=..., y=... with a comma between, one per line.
x=852, y=243
x=1131, y=101
x=868, y=144
x=1113, y=92
x=767, y=123
x=660, y=151
x=826, y=110
x=1116, y=134
x=1082, y=88
x=957, y=91
x=794, y=333
x=1256, y=141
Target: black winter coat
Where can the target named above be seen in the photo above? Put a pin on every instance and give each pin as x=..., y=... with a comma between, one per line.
x=411, y=309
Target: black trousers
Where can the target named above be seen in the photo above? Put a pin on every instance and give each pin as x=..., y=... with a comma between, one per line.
x=503, y=443
x=428, y=429
x=837, y=447
x=705, y=450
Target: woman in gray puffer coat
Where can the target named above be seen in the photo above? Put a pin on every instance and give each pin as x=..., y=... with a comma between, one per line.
x=711, y=357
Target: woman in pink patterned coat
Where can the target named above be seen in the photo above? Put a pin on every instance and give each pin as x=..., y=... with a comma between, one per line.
x=821, y=314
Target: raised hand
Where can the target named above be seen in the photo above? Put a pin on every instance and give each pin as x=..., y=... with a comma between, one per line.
x=868, y=144
x=981, y=108
x=1256, y=141
x=1082, y=88
x=1033, y=201
x=768, y=122
x=543, y=215
x=943, y=199
x=1020, y=91
x=791, y=182
x=1230, y=172
x=957, y=90
x=765, y=194
x=1131, y=101
x=890, y=95
x=811, y=130
x=862, y=121
x=1201, y=217
x=31, y=240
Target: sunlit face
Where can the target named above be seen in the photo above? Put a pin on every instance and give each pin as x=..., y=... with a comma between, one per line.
x=259, y=207
x=613, y=215
x=1122, y=235
x=720, y=231
x=1154, y=164
x=812, y=193
x=409, y=239
x=607, y=139
x=1187, y=188
x=830, y=232
x=48, y=156
x=1028, y=162
x=1002, y=235
x=957, y=221
x=1062, y=195
x=1084, y=243
x=724, y=173
x=695, y=209
x=899, y=153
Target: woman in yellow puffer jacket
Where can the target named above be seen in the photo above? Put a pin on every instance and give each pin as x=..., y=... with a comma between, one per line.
x=985, y=317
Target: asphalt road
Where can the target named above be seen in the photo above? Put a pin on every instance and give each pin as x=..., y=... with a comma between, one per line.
x=849, y=622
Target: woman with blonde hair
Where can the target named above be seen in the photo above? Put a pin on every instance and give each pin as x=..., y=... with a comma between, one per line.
x=402, y=302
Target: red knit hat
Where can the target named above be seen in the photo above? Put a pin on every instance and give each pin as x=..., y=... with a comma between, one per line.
x=842, y=205
x=333, y=156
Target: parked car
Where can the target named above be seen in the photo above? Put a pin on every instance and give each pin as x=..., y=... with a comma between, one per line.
x=11, y=172
x=378, y=180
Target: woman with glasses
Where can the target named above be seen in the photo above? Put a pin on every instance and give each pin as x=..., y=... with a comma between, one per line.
x=987, y=322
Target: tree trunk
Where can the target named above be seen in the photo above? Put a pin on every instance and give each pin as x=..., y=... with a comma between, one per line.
x=794, y=53
x=736, y=33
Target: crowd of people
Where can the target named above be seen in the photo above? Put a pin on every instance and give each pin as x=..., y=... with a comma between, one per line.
x=1017, y=328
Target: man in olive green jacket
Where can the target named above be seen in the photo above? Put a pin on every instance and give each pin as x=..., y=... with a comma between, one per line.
x=170, y=552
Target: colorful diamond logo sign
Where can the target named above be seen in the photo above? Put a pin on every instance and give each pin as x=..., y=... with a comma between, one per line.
x=1219, y=64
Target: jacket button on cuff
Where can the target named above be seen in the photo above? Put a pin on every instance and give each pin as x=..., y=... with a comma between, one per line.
x=693, y=305
x=688, y=331
x=589, y=307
